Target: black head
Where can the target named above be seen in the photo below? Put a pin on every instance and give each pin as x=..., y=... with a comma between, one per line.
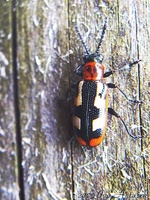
x=93, y=57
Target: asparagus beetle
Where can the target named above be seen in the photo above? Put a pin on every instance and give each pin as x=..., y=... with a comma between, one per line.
x=91, y=100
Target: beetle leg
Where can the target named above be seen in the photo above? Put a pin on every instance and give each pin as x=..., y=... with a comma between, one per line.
x=79, y=70
x=112, y=85
x=106, y=74
x=128, y=66
x=112, y=112
x=125, y=67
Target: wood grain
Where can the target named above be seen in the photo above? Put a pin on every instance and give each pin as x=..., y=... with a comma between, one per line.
x=48, y=50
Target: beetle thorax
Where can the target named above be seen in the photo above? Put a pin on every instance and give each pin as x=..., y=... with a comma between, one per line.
x=93, y=71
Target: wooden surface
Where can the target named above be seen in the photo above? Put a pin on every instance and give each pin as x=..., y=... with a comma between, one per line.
x=55, y=166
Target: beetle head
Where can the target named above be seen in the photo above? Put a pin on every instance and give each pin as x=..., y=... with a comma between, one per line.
x=92, y=69
x=93, y=57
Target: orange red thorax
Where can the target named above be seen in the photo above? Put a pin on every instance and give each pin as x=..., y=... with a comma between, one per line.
x=93, y=71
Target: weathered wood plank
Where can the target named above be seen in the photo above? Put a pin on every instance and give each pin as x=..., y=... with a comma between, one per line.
x=8, y=162
x=43, y=60
x=117, y=166
x=48, y=52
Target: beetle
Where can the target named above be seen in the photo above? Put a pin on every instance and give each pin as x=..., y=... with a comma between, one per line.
x=91, y=97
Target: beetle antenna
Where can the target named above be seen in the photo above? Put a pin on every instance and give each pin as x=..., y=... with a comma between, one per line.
x=102, y=36
x=81, y=39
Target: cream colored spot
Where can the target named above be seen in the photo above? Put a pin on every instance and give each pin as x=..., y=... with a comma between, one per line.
x=99, y=98
x=78, y=99
x=77, y=122
x=99, y=103
x=99, y=122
